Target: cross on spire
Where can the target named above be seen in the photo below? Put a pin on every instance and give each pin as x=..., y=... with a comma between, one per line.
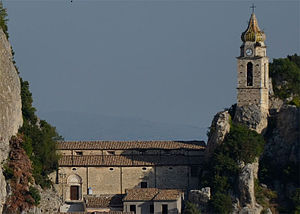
x=253, y=7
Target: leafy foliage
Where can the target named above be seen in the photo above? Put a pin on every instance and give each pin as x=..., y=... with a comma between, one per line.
x=35, y=194
x=285, y=73
x=39, y=140
x=240, y=145
x=221, y=203
x=191, y=208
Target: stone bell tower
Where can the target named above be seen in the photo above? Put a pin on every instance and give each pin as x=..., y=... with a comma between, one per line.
x=253, y=77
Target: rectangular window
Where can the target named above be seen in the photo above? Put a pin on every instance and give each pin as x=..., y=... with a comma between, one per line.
x=194, y=171
x=265, y=75
x=151, y=208
x=79, y=153
x=144, y=185
x=164, y=209
x=132, y=208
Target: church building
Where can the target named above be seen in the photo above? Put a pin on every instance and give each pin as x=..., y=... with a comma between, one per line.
x=155, y=176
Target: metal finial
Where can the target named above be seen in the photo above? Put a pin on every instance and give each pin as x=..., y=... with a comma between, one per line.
x=253, y=7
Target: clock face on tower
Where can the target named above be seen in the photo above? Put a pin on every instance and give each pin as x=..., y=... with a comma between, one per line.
x=249, y=51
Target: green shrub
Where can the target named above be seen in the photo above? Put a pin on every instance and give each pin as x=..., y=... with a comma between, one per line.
x=35, y=194
x=243, y=144
x=191, y=208
x=285, y=74
x=295, y=101
x=221, y=203
x=7, y=172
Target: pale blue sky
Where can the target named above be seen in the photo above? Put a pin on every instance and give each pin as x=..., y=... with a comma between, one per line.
x=163, y=61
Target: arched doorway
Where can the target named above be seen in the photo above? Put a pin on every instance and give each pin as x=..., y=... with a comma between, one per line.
x=74, y=183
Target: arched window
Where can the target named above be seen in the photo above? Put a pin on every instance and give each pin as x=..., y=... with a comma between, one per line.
x=249, y=74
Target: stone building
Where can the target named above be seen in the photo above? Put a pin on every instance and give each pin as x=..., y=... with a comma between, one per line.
x=153, y=200
x=253, y=77
x=112, y=167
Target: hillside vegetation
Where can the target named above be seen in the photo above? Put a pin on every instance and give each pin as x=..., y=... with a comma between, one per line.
x=285, y=74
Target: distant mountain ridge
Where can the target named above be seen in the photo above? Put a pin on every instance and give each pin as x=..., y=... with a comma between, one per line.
x=87, y=126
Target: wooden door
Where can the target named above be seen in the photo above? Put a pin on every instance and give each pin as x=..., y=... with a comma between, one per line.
x=74, y=193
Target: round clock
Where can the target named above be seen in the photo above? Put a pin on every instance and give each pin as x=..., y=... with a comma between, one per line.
x=249, y=51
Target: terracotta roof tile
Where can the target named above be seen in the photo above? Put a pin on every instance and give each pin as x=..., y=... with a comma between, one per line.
x=140, y=194
x=129, y=160
x=168, y=195
x=123, y=145
x=103, y=201
x=148, y=194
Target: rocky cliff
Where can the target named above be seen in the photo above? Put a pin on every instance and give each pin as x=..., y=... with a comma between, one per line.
x=10, y=106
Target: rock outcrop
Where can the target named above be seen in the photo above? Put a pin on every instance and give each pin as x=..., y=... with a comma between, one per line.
x=10, y=106
x=283, y=137
x=200, y=198
x=220, y=126
x=251, y=116
x=247, y=199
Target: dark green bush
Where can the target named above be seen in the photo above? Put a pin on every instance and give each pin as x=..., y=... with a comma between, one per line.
x=35, y=194
x=191, y=208
x=221, y=203
x=285, y=74
x=7, y=172
x=39, y=140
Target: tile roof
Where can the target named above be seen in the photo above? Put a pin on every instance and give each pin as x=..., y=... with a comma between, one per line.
x=129, y=160
x=103, y=201
x=124, y=145
x=148, y=194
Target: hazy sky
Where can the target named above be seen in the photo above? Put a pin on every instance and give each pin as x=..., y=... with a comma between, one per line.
x=164, y=61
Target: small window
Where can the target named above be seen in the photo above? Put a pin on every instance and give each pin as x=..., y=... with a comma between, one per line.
x=170, y=168
x=111, y=152
x=132, y=208
x=74, y=169
x=144, y=168
x=111, y=169
x=144, y=185
x=79, y=153
x=164, y=208
x=151, y=208
x=194, y=171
